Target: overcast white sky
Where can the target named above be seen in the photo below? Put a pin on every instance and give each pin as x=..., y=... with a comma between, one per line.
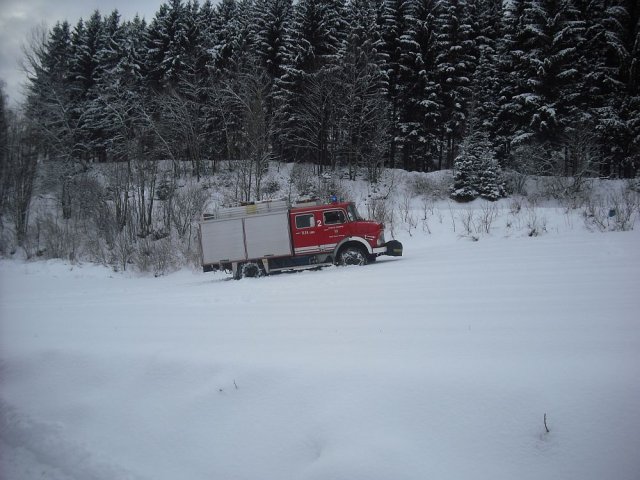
x=18, y=18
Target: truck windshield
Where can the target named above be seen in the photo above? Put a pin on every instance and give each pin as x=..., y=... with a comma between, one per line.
x=352, y=213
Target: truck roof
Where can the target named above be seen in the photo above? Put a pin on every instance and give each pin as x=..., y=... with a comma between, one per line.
x=324, y=206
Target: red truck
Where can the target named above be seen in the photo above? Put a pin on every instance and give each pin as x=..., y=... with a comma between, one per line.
x=266, y=237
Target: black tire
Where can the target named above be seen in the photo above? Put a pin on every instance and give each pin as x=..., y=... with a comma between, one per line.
x=251, y=270
x=352, y=256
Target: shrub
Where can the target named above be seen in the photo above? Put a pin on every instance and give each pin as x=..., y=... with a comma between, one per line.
x=157, y=256
x=617, y=213
x=54, y=237
x=437, y=188
x=301, y=178
x=329, y=185
x=270, y=188
x=188, y=204
x=573, y=191
x=381, y=210
x=515, y=183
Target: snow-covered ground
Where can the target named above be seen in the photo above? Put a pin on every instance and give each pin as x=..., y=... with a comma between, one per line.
x=441, y=364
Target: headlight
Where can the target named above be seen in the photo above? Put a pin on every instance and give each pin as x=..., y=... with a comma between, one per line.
x=381, y=239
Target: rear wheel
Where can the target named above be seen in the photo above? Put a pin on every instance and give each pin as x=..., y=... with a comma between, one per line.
x=252, y=270
x=352, y=256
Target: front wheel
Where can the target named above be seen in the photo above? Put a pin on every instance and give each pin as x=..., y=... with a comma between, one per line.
x=352, y=256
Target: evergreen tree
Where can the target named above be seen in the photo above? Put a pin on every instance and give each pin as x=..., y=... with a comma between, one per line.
x=97, y=118
x=129, y=72
x=123, y=91
x=4, y=154
x=233, y=39
x=362, y=109
x=490, y=184
x=306, y=90
x=553, y=33
x=83, y=75
x=487, y=81
x=419, y=91
x=596, y=113
x=272, y=31
x=456, y=62
x=395, y=26
x=168, y=47
x=55, y=61
x=86, y=45
x=511, y=121
x=476, y=172
x=630, y=70
x=464, y=178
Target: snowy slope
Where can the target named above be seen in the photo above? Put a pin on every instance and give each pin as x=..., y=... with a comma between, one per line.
x=440, y=364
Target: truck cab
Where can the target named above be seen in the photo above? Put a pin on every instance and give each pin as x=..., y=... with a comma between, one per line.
x=339, y=230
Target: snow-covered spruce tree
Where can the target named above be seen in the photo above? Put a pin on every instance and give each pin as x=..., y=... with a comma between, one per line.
x=98, y=116
x=464, y=178
x=477, y=173
x=395, y=26
x=419, y=102
x=362, y=106
x=86, y=44
x=306, y=92
x=168, y=46
x=511, y=123
x=477, y=176
x=487, y=80
x=590, y=108
x=456, y=62
x=631, y=103
x=233, y=39
x=271, y=32
x=4, y=167
x=553, y=33
x=490, y=184
x=271, y=35
x=121, y=91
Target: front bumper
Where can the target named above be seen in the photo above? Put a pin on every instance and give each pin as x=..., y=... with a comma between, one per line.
x=392, y=248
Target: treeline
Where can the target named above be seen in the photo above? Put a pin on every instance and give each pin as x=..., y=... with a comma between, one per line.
x=553, y=85
x=534, y=86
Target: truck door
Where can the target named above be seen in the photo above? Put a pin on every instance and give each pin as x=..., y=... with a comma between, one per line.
x=334, y=228
x=304, y=230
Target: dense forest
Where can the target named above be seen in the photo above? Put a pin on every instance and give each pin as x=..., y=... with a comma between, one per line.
x=546, y=87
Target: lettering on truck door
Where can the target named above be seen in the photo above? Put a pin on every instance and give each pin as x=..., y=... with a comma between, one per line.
x=304, y=228
x=334, y=228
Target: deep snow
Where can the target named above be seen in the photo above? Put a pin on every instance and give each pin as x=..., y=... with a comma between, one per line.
x=440, y=364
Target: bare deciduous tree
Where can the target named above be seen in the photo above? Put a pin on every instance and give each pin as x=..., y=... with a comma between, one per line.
x=245, y=96
x=314, y=132
x=21, y=165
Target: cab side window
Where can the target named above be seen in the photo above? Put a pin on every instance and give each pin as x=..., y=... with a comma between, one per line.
x=333, y=217
x=305, y=220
